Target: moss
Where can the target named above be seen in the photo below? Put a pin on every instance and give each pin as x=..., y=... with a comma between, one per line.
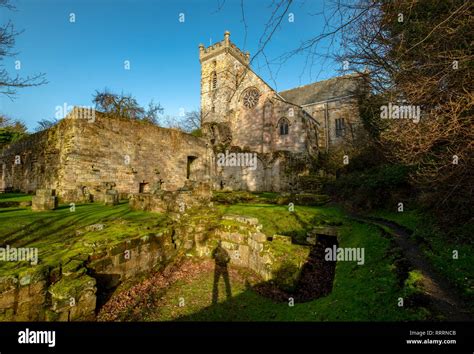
x=304, y=199
x=233, y=197
x=414, y=280
x=277, y=219
x=286, y=275
x=34, y=273
x=68, y=288
x=61, y=235
x=51, y=316
x=288, y=260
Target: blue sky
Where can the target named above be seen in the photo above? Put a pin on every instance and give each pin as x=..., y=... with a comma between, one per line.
x=79, y=58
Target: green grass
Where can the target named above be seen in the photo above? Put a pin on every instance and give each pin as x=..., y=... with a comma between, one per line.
x=15, y=197
x=277, y=219
x=438, y=249
x=60, y=234
x=267, y=195
x=408, y=219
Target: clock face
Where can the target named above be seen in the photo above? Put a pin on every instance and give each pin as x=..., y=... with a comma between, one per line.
x=250, y=98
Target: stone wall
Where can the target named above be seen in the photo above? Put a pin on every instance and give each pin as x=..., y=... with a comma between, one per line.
x=24, y=297
x=199, y=194
x=79, y=158
x=69, y=292
x=256, y=128
x=326, y=113
x=132, y=257
x=229, y=125
x=36, y=161
x=274, y=257
x=137, y=157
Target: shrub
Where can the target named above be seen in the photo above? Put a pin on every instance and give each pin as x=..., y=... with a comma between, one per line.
x=376, y=187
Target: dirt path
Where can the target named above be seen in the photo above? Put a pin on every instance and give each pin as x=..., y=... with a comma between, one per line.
x=443, y=297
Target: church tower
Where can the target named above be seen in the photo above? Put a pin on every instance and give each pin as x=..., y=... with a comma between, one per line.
x=221, y=65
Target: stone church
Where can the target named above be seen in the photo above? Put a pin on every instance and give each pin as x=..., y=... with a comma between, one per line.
x=269, y=139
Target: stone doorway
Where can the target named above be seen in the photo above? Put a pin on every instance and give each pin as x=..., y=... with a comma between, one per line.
x=190, y=167
x=143, y=187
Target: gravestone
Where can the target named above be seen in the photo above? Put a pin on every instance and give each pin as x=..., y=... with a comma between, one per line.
x=111, y=197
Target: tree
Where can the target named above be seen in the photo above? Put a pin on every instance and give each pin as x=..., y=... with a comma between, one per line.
x=152, y=113
x=10, y=84
x=419, y=54
x=191, y=121
x=46, y=124
x=411, y=53
x=125, y=106
x=11, y=130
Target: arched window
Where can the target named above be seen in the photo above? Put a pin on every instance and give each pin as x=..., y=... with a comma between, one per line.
x=213, y=80
x=283, y=126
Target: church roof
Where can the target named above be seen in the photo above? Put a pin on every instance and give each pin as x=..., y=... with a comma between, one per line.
x=322, y=90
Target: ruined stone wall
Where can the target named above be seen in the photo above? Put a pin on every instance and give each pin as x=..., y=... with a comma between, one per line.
x=79, y=157
x=136, y=156
x=274, y=172
x=36, y=161
x=68, y=293
x=172, y=201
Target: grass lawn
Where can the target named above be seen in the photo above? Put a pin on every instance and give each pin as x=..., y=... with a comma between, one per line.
x=277, y=219
x=15, y=197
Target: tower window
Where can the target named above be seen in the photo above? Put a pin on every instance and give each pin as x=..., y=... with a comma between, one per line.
x=213, y=80
x=283, y=126
x=340, y=127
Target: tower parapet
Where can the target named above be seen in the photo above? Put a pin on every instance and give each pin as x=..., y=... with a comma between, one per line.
x=223, y=46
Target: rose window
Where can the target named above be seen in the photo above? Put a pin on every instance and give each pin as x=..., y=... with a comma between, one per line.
x=250, y=98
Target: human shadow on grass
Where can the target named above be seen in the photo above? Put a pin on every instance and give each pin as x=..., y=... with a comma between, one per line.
x=263, y=300
x=222, y=258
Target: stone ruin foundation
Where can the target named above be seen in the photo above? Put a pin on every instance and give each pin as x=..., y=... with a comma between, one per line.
x=45, y=199
x=192, y=195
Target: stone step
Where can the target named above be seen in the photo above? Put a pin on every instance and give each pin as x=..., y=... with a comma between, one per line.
x=242, y=219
